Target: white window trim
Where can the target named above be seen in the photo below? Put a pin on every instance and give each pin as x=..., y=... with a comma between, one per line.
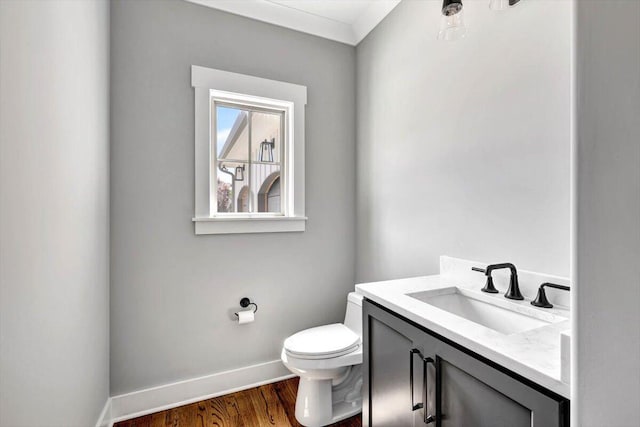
x=288, y=96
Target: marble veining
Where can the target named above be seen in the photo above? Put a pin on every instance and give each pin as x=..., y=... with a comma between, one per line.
x=535, y=354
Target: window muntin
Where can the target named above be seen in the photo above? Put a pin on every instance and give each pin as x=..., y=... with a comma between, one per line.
x=248, y=150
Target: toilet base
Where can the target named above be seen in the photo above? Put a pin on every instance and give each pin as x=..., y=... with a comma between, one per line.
x=318, y=403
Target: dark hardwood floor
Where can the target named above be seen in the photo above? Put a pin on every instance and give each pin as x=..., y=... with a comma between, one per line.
x=267, y=405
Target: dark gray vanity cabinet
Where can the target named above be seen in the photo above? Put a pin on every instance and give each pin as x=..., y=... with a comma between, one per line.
x=413, y=377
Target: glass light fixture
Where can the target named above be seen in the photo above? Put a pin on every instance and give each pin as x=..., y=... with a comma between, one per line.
x=498, y=4
x=239, y=173
x=502, y=4
x=452, y=23
x=266, y=150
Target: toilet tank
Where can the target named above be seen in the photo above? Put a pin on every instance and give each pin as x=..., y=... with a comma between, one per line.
x=353, y=316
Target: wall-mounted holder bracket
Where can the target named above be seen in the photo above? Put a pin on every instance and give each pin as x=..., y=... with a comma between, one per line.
x=246, y=302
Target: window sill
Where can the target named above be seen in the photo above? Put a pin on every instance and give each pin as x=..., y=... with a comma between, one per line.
x=230, y=225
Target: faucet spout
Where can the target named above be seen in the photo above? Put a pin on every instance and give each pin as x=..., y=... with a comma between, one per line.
x=514, y=288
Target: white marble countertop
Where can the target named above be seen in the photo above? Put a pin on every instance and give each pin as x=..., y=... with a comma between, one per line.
x=534, y=354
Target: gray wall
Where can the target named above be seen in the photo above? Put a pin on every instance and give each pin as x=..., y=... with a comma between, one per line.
x=54, y=195
x=463, y=147
x=607, y=243
x=173, y=293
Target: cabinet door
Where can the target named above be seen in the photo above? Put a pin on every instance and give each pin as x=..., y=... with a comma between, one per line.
x=469, y=392
x=467, y=401
x=389, y=376
x=394, y=392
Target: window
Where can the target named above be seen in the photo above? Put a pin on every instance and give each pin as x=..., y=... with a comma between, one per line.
x=249, y=145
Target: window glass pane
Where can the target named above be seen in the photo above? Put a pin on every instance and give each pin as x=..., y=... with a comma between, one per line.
x=267, y=182
x=225, y=198
x=266, y=137
x=232, y=133
x=234, y=194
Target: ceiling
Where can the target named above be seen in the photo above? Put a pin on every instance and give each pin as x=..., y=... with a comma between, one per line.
x=346, y=21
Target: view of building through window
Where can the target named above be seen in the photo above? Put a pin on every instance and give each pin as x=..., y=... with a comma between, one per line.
x=248, y=147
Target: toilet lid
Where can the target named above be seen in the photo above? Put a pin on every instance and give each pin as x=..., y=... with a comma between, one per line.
x=322, y=342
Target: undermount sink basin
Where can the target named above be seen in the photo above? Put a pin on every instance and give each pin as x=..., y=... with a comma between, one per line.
x=490, y=311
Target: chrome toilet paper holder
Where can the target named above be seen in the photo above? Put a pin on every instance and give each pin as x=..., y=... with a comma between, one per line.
x=246, y=302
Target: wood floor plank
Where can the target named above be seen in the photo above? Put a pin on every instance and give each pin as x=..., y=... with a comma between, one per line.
x=170, y=419
x=214, y=413
x=244, y=412
x=200, y=414
x=286, y=392
x=273, y=406
x=266, y=409
x=249, y=417
x=233, y=410
x=157, y=420
x=186, y=418
x=144, y=421
x=265, y=406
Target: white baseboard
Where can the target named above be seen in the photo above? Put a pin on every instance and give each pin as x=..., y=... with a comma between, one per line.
x=147, y=401
x=105, y=416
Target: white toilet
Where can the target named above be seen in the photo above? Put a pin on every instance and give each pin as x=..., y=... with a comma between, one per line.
x=328, y=360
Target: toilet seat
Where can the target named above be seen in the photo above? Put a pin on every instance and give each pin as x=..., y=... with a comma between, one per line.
x=322, y=342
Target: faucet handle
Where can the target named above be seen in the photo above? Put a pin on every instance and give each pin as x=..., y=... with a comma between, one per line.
x=488, y=287
x=541, y=299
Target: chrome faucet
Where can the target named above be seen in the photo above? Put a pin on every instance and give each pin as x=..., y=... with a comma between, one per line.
x=514, y=288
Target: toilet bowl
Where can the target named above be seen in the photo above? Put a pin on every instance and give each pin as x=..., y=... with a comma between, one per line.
x=328, y=360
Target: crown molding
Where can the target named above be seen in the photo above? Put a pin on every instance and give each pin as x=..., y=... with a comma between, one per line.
x=283, y=16
x=371, y=17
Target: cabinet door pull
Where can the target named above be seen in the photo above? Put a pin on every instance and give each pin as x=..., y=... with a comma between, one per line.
x=439, y=415
x=428, y=419
x=414, y=406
